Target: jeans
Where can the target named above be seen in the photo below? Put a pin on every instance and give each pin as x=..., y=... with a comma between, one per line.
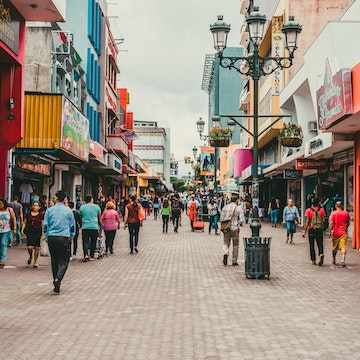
x=134, y=234
x=175, y=221
x=273, y=216
x=59, y=247
x=165, y=219
x=3, y=245
x=213, y=222
x=156, y=213
x=109, y=239
x=316, y=235
x=89, y=235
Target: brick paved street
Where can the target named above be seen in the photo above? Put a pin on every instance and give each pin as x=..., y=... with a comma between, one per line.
x=176, y=300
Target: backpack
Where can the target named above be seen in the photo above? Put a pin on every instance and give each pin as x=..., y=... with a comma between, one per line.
x=175, y=208
x=317, y=221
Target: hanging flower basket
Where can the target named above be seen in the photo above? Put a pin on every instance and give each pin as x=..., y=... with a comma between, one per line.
x=291, y=141
x=220, y=142
x=220, y=137
x=291, y=135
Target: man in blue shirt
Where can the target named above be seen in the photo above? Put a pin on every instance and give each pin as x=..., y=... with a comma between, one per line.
x=59, y=230
x=90, y=219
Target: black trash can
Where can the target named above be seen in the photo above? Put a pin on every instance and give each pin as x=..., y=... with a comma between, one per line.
x=257, y=257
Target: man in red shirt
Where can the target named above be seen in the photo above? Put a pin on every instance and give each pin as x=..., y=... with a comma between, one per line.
x=315, y=230
x=339, y=221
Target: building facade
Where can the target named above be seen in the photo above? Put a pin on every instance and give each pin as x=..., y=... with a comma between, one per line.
x=12, y=69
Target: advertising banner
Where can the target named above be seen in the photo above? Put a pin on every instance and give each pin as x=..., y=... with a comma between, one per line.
x=75, y=137
x=207, y=161
x=334, y=99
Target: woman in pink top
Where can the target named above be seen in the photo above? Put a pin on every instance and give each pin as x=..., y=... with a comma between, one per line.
x=110, y=221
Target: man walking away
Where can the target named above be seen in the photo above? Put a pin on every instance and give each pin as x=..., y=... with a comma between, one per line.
x=59, y=229
x=175, y=211
x=339, y=221
x=232, y=213
x=77, y=217
x=315, y=218
x=90, y=219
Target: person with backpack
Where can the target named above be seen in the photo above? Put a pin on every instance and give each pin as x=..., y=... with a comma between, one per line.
x=315, y=218
x=175, y=211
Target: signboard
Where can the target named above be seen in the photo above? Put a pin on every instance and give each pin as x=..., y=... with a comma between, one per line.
x=318, y=143
x=115, y=163
x=308, y=164
x=75, y=137
x=207, y=161
x=292, y=174
x=334, y=98
x=33, y=164
x=9, y=27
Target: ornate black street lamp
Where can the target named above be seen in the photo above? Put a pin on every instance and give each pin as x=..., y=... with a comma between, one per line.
x=255, y=66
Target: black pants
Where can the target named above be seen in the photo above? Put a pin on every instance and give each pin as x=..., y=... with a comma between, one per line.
x=59, y=247
x=89, y=235
x=75, y=242
x=165, y=219
x=316, y=235
x=134, y=234
x=109, y=239
x=175, y=221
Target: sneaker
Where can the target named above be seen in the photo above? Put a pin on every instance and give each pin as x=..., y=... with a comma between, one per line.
x=225, y=259
x=91, y=258
x=321, y=259
x=343, y=264
x=86, y=258
x=35, y=265
x=56, y=286
x=136, y=250
x=29, y=261
x=19, y=243
x=2, y=265
x=313, y=262
x=235, y=263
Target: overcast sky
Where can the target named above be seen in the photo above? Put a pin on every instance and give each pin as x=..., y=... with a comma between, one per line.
x=161, y=61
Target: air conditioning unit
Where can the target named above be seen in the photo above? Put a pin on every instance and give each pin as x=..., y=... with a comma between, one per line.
x=312, y=126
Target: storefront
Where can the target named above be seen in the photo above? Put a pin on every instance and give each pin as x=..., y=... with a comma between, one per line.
x=12, y=55
x=56, y=141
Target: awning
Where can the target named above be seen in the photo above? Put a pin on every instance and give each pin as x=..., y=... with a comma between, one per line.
x=242, y=159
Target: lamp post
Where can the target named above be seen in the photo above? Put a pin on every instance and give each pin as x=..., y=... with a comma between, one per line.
x=255, y=66
x=216, y=122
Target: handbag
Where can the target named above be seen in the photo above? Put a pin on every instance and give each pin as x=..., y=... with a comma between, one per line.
x=226, y=225
x=44, y=248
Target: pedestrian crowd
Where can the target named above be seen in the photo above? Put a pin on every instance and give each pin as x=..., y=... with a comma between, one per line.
x=56, y=225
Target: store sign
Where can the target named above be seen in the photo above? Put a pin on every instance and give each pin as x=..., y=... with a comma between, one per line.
x=309, y=164
x=27, y=162
x=292, y=174
x=9, y=27
x=115, y=163
x=334, y=98
x=75, y=137
x=318, y=143
x=96, y=150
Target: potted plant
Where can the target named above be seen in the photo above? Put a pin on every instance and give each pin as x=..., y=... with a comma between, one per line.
x=291, y=135
x=220, y=137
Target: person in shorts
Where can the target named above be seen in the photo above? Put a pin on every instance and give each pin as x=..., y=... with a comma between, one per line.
x=339, y=221
x=291, y=218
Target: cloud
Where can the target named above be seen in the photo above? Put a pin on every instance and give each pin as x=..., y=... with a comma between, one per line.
x=166, y=43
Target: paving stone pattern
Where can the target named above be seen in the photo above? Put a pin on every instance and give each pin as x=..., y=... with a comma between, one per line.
x=176, y=300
